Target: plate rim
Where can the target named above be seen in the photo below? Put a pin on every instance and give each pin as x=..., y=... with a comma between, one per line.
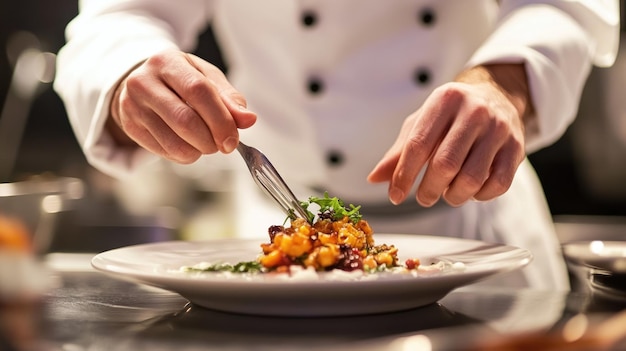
x=520, y=263
x=324, y=297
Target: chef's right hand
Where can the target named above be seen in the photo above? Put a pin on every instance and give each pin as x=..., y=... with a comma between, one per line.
x=178, y=106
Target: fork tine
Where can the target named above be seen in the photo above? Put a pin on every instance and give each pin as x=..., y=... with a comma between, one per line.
x=266, y=183
x=279, y=189
x=268, y=179
x=283, y=190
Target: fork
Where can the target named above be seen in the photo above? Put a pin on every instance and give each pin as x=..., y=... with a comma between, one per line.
x=268, y=179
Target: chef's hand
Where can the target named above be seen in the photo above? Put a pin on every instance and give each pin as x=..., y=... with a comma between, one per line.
x=468, y=133
x=178, y=106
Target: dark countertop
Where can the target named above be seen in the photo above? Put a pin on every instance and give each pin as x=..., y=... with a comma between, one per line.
x=88, y=310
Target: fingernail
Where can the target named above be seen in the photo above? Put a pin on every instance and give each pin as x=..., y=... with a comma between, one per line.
x=427, y=203
x=396, y=196
x=230, y=144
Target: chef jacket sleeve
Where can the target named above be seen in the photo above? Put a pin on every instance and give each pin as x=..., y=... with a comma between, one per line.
x=105, y=41
x=558, y=41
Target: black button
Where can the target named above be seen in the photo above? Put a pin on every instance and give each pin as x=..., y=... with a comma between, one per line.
x=427, y=17
x=422, y=76
x=334, y=158
x=315, y=86
x=309, y=18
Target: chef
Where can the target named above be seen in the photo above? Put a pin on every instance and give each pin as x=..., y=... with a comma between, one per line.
x=421, y=111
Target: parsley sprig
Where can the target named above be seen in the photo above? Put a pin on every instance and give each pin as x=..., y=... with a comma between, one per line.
x=331, y=208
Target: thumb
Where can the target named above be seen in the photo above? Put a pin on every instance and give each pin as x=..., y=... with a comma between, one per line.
x=237, y=106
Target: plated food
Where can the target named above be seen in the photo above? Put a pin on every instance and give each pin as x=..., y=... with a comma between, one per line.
x=333, y=238
x=328, y=264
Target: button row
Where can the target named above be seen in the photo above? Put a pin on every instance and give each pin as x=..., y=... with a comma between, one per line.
x=315, y=85
x=422, y=77
x=426, y=17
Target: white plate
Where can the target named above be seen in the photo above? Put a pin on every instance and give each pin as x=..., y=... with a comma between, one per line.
x=158, y=264
x=605, y=255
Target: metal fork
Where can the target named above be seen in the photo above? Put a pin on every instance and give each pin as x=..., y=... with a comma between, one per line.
x=266, y=176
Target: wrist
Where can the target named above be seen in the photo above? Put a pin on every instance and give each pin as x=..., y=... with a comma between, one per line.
x=113, y=124
x=509, y=79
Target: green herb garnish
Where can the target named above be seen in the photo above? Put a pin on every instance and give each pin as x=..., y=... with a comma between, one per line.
x=241, y=267
x=331, y=208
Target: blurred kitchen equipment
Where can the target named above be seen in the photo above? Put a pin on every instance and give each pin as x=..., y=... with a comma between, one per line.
x=600, y=266
x=32, y=68
x=605, y=255
x=589, y=240
x=37, y=202
x=266, y=176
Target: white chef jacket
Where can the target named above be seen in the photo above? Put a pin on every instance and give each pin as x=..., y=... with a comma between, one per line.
x=332, y=81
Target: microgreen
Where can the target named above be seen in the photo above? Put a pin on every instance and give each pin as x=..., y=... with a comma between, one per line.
x=331, y=208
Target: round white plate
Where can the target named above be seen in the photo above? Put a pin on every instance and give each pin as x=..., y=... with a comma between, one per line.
x=605, y=255
x=158, y=264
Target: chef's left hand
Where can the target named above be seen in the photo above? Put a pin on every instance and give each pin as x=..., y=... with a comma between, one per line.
x=468, y=133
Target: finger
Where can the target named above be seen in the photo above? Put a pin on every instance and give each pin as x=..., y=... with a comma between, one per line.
x=233, y=100
x=148, y=130
x=179, y=117
x=202, y=94
x=144, y=139
x=430, y=124
x=175, y=148
x=446, y=162
x=503, y=170
x=134, y=128
x=129, y=113
x=412, y=159
x=473, y=173
x=220, y=119
x=383, y=171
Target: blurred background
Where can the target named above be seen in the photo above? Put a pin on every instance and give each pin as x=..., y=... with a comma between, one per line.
x=584, y=174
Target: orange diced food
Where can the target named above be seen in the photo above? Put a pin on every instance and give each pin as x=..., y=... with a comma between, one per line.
x=14, y=235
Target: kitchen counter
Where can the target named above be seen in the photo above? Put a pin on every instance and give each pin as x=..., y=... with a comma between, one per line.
x=87, y=310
